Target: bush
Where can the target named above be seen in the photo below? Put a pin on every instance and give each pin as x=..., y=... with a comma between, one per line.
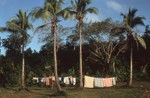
x=122, y=73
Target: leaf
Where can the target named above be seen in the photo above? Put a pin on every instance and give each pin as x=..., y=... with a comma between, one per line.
x=142, y=42
x=40, y=28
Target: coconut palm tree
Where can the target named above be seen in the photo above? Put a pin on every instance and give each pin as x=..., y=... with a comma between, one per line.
x=130, y=21
x=18, y=27
x=79, y=9
x=22, y=23
x=50, y=12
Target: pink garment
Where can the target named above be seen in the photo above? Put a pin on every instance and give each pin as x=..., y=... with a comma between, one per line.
x=53, y=78
x=48, y=81
x=107, y=82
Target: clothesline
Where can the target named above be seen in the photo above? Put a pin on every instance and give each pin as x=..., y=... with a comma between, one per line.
x=89, y=82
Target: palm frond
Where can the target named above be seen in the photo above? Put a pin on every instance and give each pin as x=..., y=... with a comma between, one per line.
x=91, y=10
x=132, y=12
x=65, y=13
x=141, y=41
x=41, y=28
x=37, y=13
x=131, y=19
x=5, y=29
x=138, y=21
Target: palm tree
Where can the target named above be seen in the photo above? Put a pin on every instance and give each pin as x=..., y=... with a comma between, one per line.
x=130, y=21
x=18, y=26
x=23, y=24
x=79, y=9
x=51, y=11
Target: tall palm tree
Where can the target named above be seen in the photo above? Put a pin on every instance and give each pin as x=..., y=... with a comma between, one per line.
x=50, y=12
x=18, y=27
x=130, y=21
x=23, y=24
x=79, y=9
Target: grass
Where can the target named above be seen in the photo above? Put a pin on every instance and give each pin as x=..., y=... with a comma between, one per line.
x=137, y=91
x=76, y=93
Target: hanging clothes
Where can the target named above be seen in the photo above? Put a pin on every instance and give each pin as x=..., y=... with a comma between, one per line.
x=47, y=81
x=107, y=82
x=98, y=82
x=74, y=81
x=53, y=78
x=36, y=79
x=66, y=80
x=114, y=80
x=43, y=80
x=88, y=82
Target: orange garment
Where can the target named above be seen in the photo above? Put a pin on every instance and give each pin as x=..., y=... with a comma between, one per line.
x=107, y=82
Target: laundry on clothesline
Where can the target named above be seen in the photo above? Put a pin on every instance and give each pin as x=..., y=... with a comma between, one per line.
x=98, y=82
x=69, y=80
x=91, y=82
x=88, y=82
x=36, y=79
x=107, y=82
x=104, y=82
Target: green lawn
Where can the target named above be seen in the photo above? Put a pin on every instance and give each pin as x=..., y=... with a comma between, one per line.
x=115, y=92
x=76, y=93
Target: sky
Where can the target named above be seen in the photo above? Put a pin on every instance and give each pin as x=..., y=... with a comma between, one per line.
x=106, y=9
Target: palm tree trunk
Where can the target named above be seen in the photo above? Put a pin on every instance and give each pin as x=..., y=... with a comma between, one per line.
x=23, y=69
x=114, y=68
x=55, y=59
x=80, y=58
x=131, y=66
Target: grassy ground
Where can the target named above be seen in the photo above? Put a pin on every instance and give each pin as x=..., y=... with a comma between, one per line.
x=139, y=90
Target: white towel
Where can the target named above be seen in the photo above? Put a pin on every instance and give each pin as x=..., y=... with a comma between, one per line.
x=114, y=80
x=36, y=79
x=74, y=81
x=98, y=82
x=66, y=80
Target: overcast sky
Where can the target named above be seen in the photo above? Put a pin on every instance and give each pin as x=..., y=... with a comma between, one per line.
x=107, y=8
